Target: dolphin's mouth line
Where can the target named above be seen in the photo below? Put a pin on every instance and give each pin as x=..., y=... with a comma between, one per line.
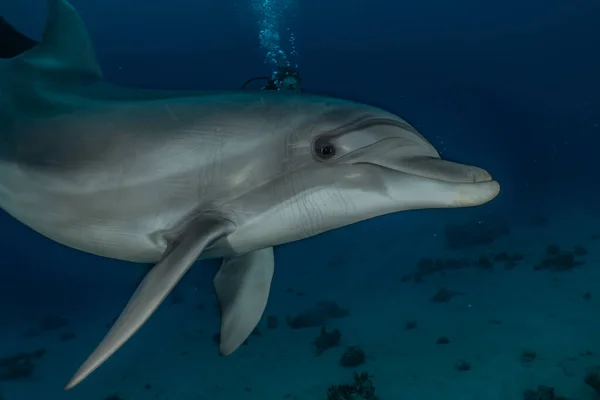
x=447, y=179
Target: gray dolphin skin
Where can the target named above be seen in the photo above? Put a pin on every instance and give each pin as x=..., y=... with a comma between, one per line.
x=172, y=177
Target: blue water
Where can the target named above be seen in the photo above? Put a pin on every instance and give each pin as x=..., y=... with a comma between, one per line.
x=510, y=86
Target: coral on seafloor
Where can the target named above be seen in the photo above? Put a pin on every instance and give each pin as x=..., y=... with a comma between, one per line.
x=362, y=389
x=444, y=295
x=353, y=357
x=410, y=325
x=528, y=356
x=478, y=232
x=558, y=260
x=327, y=340
x=592, y=378
x=317, y=316
x=462, y=365
x=542, y=393
x=442, y=340
x=428, y=266
x=19, y=366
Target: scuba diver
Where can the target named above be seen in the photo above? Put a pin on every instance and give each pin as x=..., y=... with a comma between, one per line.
x=13, y=42
x=284, y=79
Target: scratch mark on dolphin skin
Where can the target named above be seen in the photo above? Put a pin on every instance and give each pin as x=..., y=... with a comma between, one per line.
x=171, y=113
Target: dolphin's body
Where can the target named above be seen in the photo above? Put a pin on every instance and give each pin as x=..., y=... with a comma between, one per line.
x=168, y=178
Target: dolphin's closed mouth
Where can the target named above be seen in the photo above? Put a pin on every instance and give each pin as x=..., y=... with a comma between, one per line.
x=438, y=169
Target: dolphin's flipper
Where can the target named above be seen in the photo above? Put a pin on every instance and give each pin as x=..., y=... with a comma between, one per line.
x=154, y=288
x=243, y=285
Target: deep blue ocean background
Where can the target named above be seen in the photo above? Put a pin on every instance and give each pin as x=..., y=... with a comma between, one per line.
x=510, y=86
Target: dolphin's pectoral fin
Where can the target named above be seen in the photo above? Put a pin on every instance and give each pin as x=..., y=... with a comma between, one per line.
x=242, y=285
x=153, y=289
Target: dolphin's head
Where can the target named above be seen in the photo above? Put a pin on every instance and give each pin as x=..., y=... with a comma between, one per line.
x=346, y=162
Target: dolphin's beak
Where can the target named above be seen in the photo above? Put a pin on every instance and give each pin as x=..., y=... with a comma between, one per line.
x=435, y=183
x=418, y=157
x=442, y=170
x=410, y=153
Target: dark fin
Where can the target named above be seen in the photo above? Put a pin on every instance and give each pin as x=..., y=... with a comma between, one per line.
x=65, y=44
x=13, y=42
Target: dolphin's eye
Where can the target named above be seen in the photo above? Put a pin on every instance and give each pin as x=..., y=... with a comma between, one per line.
x=326, y=150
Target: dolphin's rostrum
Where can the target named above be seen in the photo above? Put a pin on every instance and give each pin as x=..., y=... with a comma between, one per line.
x=171, y=177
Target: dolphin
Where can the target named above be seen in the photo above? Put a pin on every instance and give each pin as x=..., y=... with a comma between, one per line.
x=169, y=177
